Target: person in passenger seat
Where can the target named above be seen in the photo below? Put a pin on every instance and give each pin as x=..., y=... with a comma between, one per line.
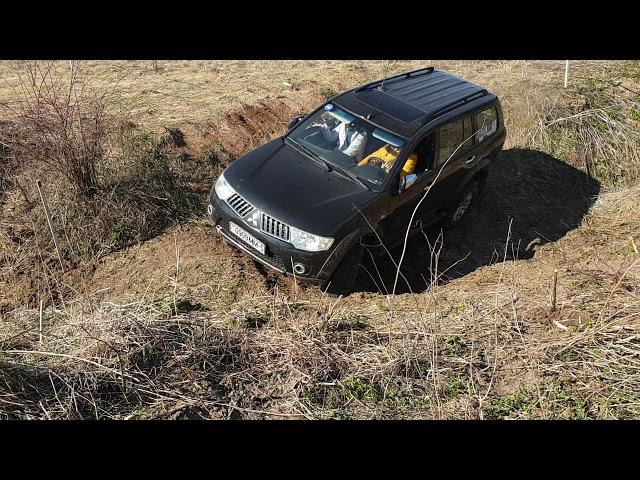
x=349, y=140
x=385, y=157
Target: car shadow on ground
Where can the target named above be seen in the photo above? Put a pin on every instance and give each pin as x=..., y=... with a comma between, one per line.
x=531, y=198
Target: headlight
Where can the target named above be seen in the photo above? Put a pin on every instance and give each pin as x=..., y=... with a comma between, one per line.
x=307, y=241
x=223, y=189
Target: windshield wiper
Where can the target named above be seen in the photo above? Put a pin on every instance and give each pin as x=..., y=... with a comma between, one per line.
x=352, y=176
x=324, y=164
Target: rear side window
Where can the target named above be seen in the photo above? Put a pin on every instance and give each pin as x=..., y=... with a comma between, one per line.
x=468, y=132
x=486, y=123
x=451, y=136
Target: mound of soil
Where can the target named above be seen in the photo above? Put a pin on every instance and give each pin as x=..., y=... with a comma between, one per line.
x=252, y=125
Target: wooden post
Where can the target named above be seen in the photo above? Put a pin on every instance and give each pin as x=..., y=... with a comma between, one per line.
x=566, y=73
x=46, y=211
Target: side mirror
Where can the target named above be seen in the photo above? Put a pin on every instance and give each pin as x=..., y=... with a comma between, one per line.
x=294, y=121
x=407, y=181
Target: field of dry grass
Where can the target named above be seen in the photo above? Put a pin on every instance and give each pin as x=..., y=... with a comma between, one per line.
x=168, y=322
x=185, y=92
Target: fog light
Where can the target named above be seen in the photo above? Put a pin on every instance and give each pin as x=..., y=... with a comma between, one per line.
x=299, y=268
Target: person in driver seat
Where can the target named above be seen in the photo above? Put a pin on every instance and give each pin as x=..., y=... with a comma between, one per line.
x=385, y=157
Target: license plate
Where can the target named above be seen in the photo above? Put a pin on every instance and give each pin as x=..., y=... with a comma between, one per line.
x=247, y=237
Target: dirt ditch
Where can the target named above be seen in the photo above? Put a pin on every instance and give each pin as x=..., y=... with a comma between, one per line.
x=531, y=199
x=198, y=153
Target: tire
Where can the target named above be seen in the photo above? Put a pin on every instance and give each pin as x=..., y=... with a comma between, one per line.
x=462, y=204
x=344, y=276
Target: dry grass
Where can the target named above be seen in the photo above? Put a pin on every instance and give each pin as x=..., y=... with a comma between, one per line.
x=138, y=196
x=482, y=345
x=486, y=347
x=184, y=92
x=595, y=126
x=474, y=353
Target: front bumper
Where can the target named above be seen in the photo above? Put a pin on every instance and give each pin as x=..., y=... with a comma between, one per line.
x=279, y=255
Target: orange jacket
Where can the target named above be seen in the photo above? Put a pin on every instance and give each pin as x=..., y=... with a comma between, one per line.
x=388, y=156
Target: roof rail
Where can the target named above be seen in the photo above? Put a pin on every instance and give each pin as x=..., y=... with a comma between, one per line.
x=453, y=106
x=402, y=75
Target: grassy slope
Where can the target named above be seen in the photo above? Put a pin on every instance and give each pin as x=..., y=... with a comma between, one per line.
x=208, y=335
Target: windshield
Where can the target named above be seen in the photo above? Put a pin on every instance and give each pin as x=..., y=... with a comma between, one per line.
x=349, y=143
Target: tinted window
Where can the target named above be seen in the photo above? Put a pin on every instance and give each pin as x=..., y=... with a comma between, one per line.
x=468, y=132
x=451, y=136
x=486, y=123
x=424, y=154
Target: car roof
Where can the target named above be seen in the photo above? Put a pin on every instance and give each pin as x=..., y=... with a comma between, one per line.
x=406, y=102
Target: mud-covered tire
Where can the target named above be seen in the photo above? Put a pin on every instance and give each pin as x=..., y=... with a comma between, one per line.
x=461, y=206
x=344, y=276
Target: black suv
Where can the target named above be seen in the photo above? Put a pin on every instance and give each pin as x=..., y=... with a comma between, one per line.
x=355, y=171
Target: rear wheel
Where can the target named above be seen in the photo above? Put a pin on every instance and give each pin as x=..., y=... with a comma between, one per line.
x=462, y=204
x=344, y=276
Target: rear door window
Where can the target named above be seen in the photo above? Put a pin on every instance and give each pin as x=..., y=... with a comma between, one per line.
x=450, y=138
x=469, y=137
x=486, y=123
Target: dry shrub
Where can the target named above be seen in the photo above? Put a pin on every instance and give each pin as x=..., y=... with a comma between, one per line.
x=270, y=357
x=139, y=195
x=594, y=127
x=6, y=163
x=108, y=183
x=60, y=122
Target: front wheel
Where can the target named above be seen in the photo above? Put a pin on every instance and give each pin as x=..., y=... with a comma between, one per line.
x=462, y=204
x=344, y=276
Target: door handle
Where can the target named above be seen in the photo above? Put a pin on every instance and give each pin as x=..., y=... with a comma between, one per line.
x=470, y=160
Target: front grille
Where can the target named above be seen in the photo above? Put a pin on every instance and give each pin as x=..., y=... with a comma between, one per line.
x=270, y=258
x=268, y=224
x=274, y=227
x=240, y=205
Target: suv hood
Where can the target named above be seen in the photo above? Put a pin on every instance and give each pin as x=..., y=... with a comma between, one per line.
x=286, y=184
